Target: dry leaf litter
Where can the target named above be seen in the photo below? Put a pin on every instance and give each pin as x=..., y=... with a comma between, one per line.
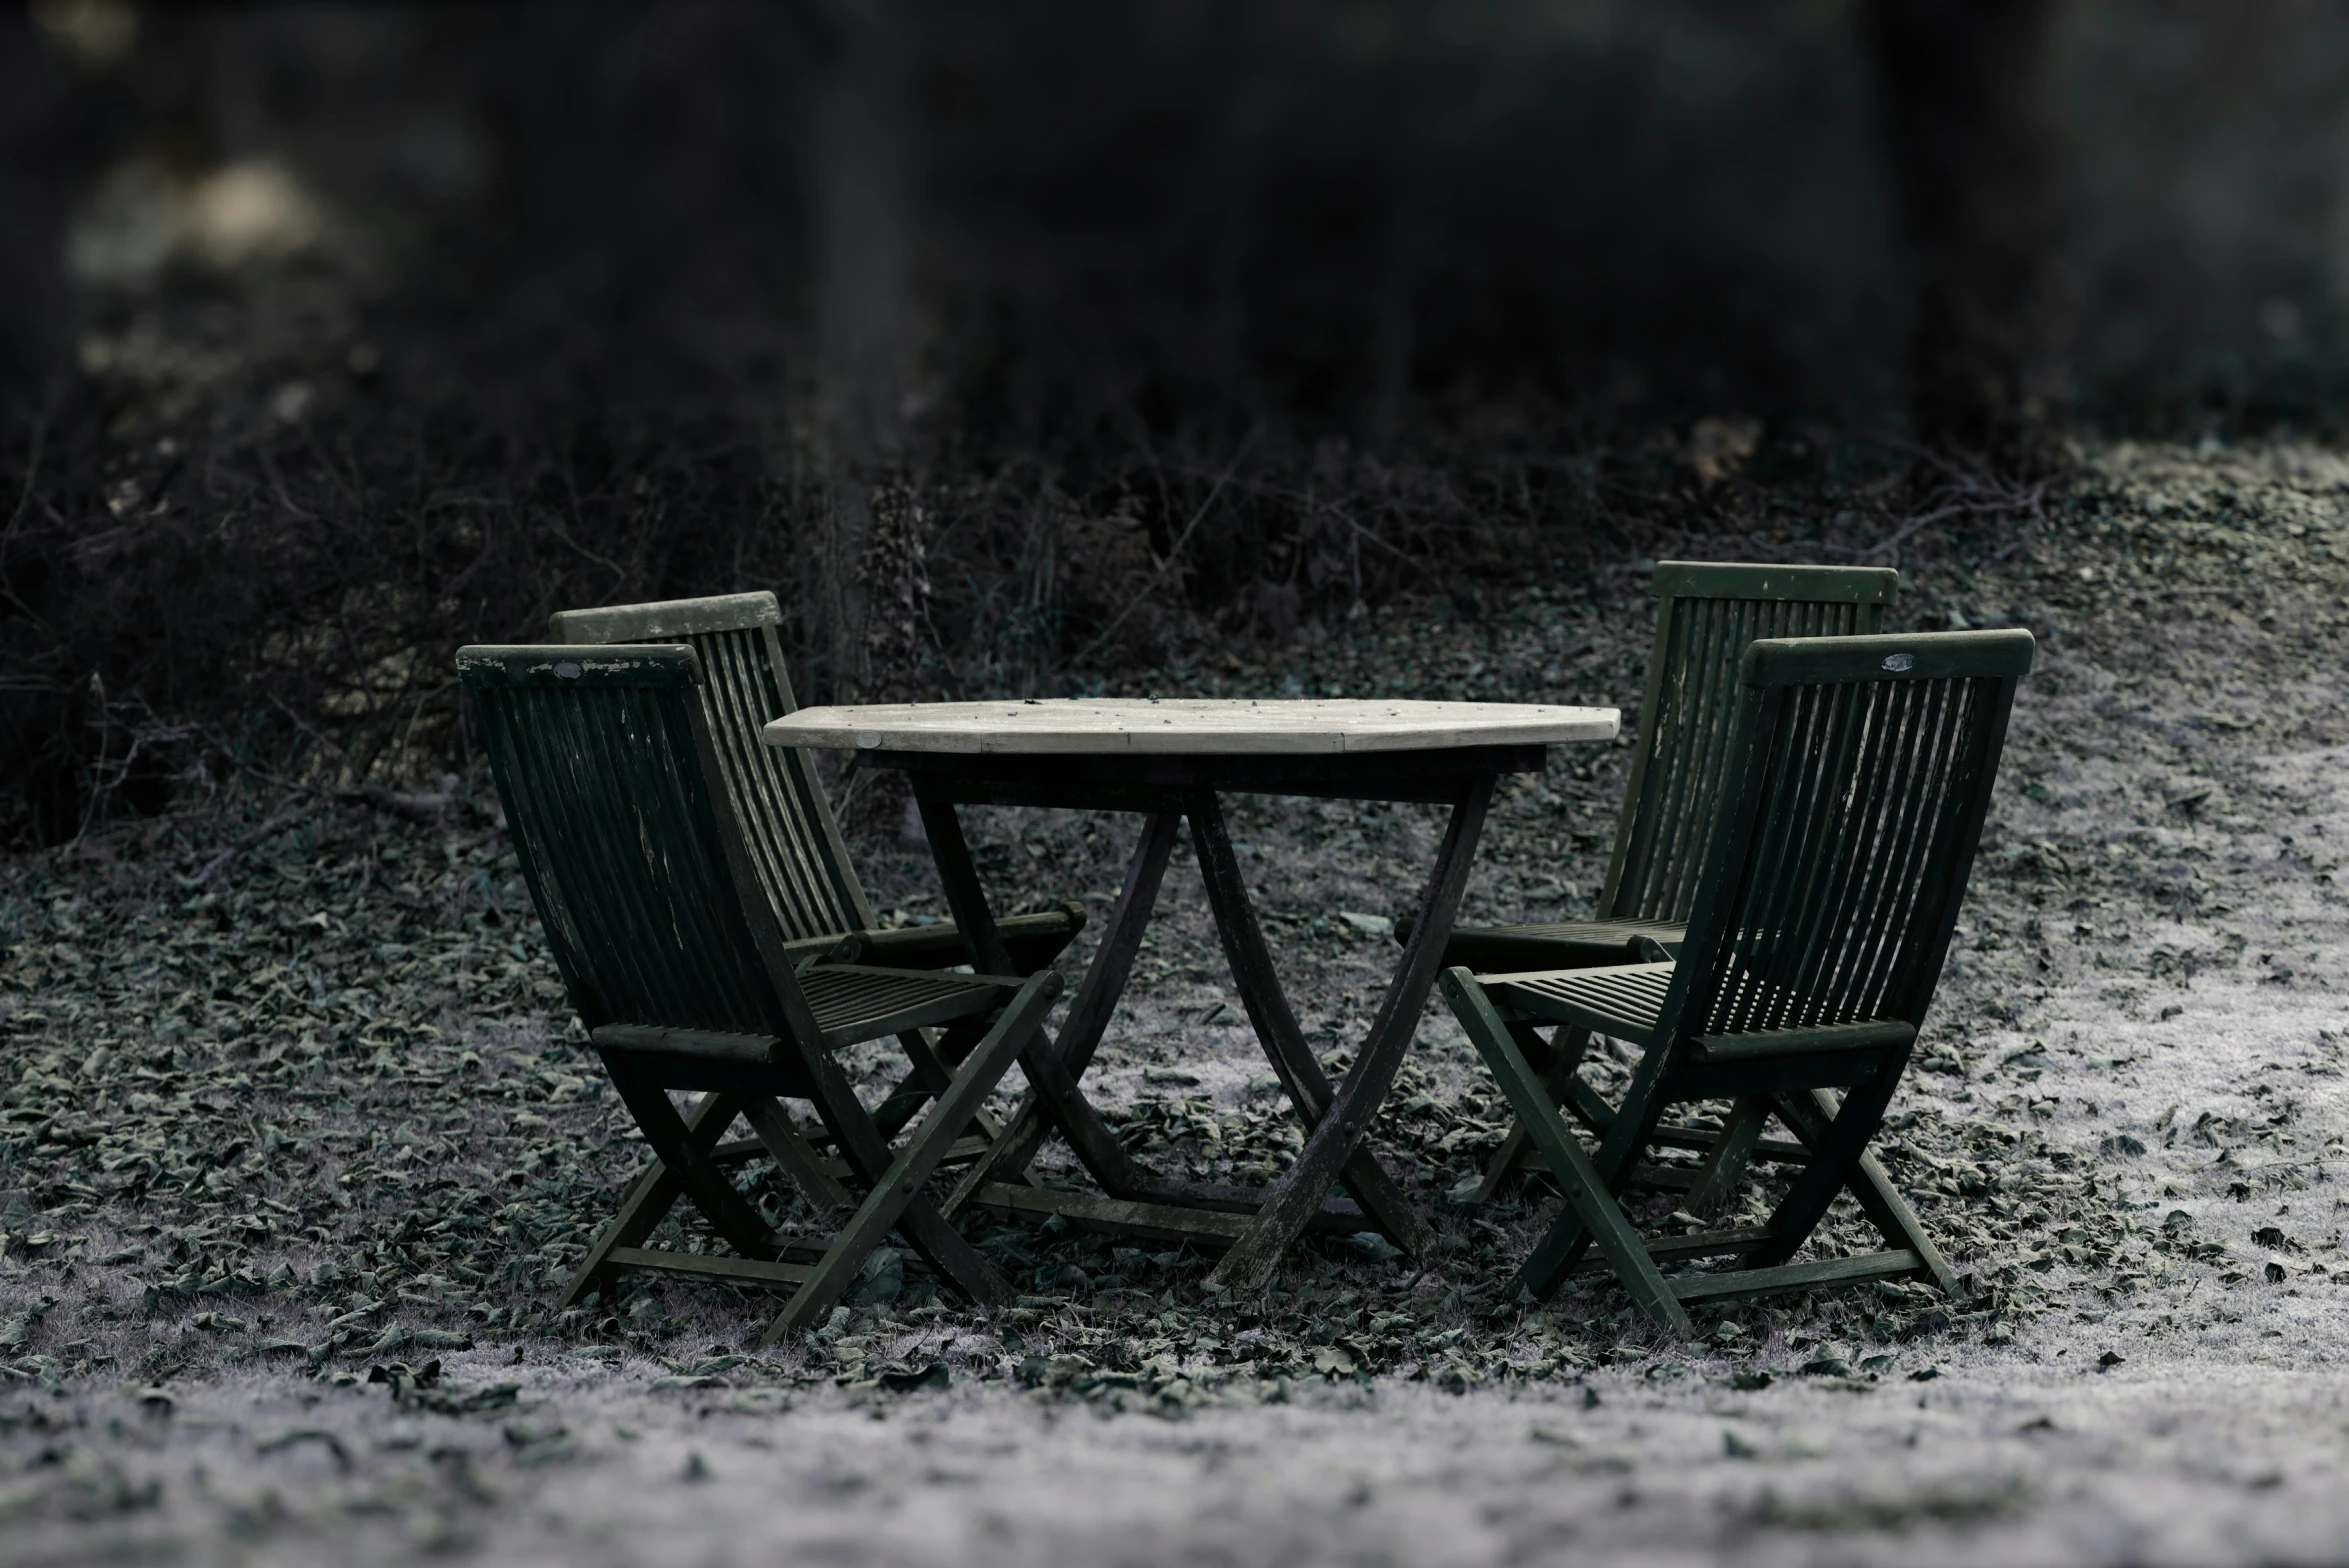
x=298, y=1141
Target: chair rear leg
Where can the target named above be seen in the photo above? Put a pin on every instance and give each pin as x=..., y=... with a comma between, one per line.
x=1809, y=1114
x=1504, y=1163
x=911, y=1092
x=794, y=1154
x=896, y=1190
x=1837, y=1152
x=1724, y=1166
x=933, y=1066
x=649, y=1199
x=703, y=1183
x=1089, y=1011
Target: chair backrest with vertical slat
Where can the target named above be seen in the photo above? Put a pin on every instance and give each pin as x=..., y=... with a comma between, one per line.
x=788, y=831
x=613, y=817
x=1861, y=770
x=1706, y=613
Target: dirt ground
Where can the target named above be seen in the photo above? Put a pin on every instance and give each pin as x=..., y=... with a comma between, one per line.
x=287, y=1105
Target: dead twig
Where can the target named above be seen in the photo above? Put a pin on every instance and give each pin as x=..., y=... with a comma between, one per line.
x=270, y=827
x=1174, y=552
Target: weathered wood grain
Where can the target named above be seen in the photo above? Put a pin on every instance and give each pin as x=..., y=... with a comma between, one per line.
x=1189, y=725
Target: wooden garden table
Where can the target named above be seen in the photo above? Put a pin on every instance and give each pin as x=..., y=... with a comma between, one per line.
x=1168, y=760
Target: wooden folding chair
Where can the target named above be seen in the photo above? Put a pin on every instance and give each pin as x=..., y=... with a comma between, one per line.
x=1706, y=614
x=668, y=943
x=1858, y=771
x=789, y=832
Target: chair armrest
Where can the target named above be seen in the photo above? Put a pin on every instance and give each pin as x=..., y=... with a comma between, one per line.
x=1033, y=942
x=1506, y=950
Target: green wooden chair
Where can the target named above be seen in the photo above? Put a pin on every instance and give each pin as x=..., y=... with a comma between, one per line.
x=1857, y=773
x=789, y=833
x=1706, y=614
x=668, y=942
x=793, y=843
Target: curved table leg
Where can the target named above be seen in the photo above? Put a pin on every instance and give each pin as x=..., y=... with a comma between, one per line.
x=1334, y=1146
x=1088, y=1016
x=1336, y=1116
x=1048, y=1074
x=1268, y=1009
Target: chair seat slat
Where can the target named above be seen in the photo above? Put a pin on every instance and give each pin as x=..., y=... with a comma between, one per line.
x=1624, y=1000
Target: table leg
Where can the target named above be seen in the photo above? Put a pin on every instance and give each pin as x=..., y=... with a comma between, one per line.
x=1276, y=1026
x=1053, y=1083
x=1088, y=1016
x=1329, y=1149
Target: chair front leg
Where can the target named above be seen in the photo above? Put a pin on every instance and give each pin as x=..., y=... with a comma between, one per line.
x=703, y=1183
x=1629, y=1130
x=1810, y=1114
x=896, y=1191
x=650, y=1198
x=1838, y=1150
x=1562, y=1056
x=929, y=1233
x=1592, y=1213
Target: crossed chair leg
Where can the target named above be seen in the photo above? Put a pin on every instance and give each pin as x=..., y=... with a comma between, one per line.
x=1829, y=1149
x=690, y=1164
x=1558, y=1062
x=1561, y=1056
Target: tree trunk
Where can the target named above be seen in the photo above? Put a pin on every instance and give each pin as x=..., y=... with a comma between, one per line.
x=1972, y=154
x=863, y=189
x=35, y=304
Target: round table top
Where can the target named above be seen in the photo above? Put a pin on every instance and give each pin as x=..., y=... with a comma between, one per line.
x=1302, y=726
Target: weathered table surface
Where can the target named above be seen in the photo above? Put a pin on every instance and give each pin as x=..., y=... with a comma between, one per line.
x=1305, y=726
x=1167, y=759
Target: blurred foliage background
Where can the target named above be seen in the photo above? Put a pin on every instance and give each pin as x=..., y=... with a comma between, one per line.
x=1026, y=345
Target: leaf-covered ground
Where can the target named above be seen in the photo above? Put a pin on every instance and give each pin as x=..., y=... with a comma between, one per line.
x=296, y=1147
